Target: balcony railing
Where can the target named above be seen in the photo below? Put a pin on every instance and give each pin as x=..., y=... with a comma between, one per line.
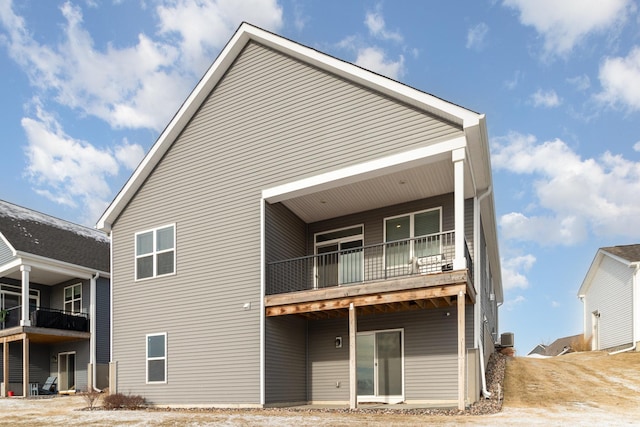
x=424, y=255
x=47, y=318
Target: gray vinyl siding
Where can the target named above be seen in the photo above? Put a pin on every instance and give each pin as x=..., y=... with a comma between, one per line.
x=6, y=254
x=103, y=325
x=610, y=294
x=57, y=294
x=39, y=357
x=430, y=353
x=81, y=349
x=286, y=359
x=270, y=120
x=373, y=220
x=285, y=233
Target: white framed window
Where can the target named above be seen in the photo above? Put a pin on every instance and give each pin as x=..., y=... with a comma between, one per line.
x=423, y=227
x=156, y=252
x=156, y=356
x=73, y=298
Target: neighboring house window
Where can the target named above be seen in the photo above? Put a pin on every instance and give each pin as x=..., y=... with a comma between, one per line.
x=423, y=227
x=156, y=252
x=73, y=298
x=157, y=358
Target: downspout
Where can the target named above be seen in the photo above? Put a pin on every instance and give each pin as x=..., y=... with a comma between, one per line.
x=483, y=374
x=634, y=310
x=92, y=330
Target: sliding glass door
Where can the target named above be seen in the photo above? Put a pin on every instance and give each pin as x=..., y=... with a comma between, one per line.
x=380, y=366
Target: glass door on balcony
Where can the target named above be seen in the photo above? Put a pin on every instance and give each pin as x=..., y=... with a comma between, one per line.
x=339, y=257
x=379, y=366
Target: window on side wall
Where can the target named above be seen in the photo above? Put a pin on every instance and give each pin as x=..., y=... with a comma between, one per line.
x=156, y=252
x=73, y=298
x=157, y=358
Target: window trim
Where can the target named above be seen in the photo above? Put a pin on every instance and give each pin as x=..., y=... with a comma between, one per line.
x=64, y=301
x=148, y=359
x=411, y=216
x=154, y=253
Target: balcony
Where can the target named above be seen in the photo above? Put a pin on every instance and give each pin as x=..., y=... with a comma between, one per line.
x=365, y=264
x=47, y=318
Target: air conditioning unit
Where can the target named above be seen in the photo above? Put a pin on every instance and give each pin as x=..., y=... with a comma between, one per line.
x=506, y=339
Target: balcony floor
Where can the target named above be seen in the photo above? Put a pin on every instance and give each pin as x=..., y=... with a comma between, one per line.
x=407, y=293
x=41, y=335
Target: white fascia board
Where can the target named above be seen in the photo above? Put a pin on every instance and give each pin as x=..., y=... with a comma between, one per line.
x=10, y=267
x=9, y=245
x=60, y=267
x=595, y=264
x=362, y=171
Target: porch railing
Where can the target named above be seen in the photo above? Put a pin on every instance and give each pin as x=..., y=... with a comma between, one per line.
x=46, y=318
x=423, y=255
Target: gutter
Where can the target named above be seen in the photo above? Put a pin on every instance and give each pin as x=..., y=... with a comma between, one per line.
x=483, y=375
x=634, y=311
x=92, y=329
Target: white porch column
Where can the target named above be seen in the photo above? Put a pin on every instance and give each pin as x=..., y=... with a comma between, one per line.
x=353, y=377
x=457, y=157
x=24, y=318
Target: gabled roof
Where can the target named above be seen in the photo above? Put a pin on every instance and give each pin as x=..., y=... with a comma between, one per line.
x=473, y=123
x=626, y=254
x=28, y=232
x=630, y=253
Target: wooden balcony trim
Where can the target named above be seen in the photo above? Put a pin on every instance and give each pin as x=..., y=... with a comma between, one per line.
x=428, y=290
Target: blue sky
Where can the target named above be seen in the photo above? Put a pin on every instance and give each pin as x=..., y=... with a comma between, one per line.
x=88, y=85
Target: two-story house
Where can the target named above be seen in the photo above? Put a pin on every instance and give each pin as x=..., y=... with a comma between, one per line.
x=306, y=231
x=54, y=303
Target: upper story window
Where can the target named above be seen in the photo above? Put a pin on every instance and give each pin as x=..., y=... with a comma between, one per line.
x=412, y=235
x=73, y=298
x=156, y=252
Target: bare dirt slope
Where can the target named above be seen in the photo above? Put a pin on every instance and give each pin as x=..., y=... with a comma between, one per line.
x=586, y=379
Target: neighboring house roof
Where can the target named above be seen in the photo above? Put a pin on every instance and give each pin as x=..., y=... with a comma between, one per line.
x=630, y=253
x=556, y=348
x=29, y=232
x=626, y=254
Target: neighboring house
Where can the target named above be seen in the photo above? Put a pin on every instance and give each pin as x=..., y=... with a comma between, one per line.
x=558, y=347
x=54, y=302
x=611, y=298
x=305, y=230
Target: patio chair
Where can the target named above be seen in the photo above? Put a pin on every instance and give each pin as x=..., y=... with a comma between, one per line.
x=49, y=386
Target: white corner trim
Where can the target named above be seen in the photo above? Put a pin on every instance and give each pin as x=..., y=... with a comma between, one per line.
x=362, y=171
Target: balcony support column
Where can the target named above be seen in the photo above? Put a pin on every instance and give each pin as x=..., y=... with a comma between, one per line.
x=462, y=366
x=353, y=376
x=458, y=158
x=25, y=366
x=24, y=318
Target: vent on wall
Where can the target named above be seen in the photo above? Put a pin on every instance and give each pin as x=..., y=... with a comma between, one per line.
x=506, y=339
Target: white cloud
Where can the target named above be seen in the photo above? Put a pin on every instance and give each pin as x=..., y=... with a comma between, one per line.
x=513, y=83
x=205, y=26
x=564, y=24
x=636, y=146
x=129, y=155
x=620, y=80
x=139, y=86
x=582, y=82
x=374, y=59
x=572, y=196
x=476, y=36
x=377, y=27
x=514, y=270
x=548, y=99
x=70, y=171
x=511, y=304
